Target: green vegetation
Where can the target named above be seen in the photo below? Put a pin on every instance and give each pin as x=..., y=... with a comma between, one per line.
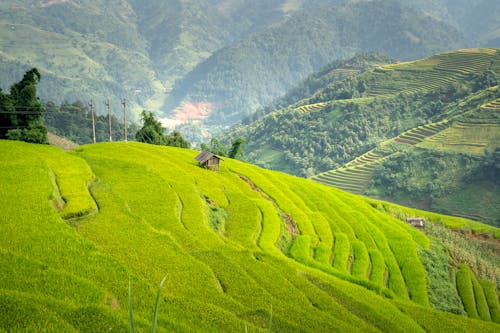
x=249, y=74
x=152, y=132
x=74, y=121
x=154, y=216
x=442, y=290
x=21, y=111
x=466, y=290
x=363, y=111
x=490, y=292
x=425, y=133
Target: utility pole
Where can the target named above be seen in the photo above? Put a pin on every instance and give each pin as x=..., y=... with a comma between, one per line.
x=124, y=103
x=109, y=120
x=91, y=104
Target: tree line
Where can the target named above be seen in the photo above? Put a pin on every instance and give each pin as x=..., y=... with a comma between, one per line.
x=24, y=117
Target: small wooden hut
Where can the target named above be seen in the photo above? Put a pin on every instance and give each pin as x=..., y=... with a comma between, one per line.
x=208, y=160
x=416, y=222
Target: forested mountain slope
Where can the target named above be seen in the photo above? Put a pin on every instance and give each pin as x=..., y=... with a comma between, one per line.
x=237, y=79
x=137, y=50
x=348, y=118
x=243, y=249
x=131, y=49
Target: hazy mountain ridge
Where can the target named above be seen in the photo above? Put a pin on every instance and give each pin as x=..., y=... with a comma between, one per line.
x=138, y=50
x=240, y=78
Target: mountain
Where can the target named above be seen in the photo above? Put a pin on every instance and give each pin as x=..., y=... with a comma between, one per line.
x=423, y=133
x=238, y=79
x=88, y=232
x=477, y=19
x=216, y=61
x=344, y=119
x=119, y=49
x=83, y=50
x=213, y=51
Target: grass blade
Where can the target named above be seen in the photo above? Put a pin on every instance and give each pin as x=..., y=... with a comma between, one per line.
x=130, y=310
x=155, y=309
x=271, y=319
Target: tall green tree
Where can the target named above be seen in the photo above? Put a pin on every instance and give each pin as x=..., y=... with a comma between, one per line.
x=152, y=132
x=22, y=111
x=237, y=149
x=175, y=139
x=216, y=147
x=6, y=113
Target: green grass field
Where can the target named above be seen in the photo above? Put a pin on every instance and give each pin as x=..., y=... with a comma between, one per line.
x=239, y=246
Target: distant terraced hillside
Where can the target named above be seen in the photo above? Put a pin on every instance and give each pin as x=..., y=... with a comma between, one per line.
x=430, y=74
x=242, y=248
x=458, y=144
x=357, y=175
x=341, y=120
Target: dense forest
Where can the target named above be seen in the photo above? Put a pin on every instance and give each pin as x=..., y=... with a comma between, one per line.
x=442, y=181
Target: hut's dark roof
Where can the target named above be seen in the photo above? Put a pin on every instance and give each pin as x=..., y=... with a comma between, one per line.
x=205, y=156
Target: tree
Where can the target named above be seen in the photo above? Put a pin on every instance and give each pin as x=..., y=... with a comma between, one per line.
x=237, y=147
x=152, y=132
x=22, y=111
x=216, y=147
x=175, y=139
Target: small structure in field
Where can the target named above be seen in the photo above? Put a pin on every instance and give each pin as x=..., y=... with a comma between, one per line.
x=208, y=160
x=416, y=222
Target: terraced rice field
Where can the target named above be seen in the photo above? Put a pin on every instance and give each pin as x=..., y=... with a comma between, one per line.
x=493, y=105
x=239, y=246
x=419, y=134
x=473, y=132
x=354, y=179
x=310, y=107
x=356, y=175
x=479, y=297
x=431, y=73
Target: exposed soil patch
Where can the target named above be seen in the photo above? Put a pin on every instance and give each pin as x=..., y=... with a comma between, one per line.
x=194, y=111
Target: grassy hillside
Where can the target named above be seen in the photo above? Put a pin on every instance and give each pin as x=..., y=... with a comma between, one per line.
x=245, y=249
